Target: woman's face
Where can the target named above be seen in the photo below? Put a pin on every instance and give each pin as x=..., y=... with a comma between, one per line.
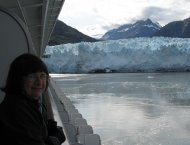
x=34, y=84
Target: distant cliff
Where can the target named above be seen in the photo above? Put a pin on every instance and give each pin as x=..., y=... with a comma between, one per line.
x=63, y=34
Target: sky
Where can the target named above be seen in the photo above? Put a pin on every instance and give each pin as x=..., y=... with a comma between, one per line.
x=95, y=17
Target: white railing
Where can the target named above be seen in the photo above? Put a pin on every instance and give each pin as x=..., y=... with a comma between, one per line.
x=76, y=128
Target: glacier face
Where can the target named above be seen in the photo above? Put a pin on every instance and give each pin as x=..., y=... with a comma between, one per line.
x=124, y=55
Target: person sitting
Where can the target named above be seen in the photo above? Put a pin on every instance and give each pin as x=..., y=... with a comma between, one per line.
x=23, y=115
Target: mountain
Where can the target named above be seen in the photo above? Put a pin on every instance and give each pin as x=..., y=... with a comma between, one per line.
x=179, y=29
x=63, y=34
x=142, y=28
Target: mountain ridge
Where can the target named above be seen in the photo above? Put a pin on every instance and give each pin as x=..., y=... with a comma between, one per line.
x=180, y=29
x=141, y=28
x=63, y=34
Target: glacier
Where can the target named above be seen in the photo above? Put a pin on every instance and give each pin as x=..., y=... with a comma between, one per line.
x=156, y=54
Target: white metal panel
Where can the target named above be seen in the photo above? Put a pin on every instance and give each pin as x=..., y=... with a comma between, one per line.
x=14, y=41
x=39, y=17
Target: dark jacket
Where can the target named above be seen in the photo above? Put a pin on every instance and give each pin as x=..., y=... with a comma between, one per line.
x=21, y=122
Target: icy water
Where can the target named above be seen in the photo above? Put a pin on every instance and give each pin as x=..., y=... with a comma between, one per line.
x=133, y=108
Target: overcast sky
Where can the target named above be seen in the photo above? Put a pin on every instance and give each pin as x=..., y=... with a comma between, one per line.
x=94, y=17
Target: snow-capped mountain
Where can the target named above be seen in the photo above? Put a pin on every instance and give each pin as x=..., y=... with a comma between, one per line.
x=141, y=28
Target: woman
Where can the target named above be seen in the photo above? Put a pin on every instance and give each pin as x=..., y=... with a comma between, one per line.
x=23, y=119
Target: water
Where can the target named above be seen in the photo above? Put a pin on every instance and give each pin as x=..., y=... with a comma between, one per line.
x=133, y=108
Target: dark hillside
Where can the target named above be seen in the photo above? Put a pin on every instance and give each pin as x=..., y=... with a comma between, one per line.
x=63, y=34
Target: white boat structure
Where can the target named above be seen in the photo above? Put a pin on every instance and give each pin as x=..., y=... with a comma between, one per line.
x=26, y=26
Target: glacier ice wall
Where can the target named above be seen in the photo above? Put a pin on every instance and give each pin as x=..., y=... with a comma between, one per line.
x=125, y=55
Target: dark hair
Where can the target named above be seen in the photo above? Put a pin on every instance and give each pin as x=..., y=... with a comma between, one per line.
x=20, y=67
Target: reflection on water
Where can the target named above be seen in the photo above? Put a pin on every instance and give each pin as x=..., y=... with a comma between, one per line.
x=134, y=108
